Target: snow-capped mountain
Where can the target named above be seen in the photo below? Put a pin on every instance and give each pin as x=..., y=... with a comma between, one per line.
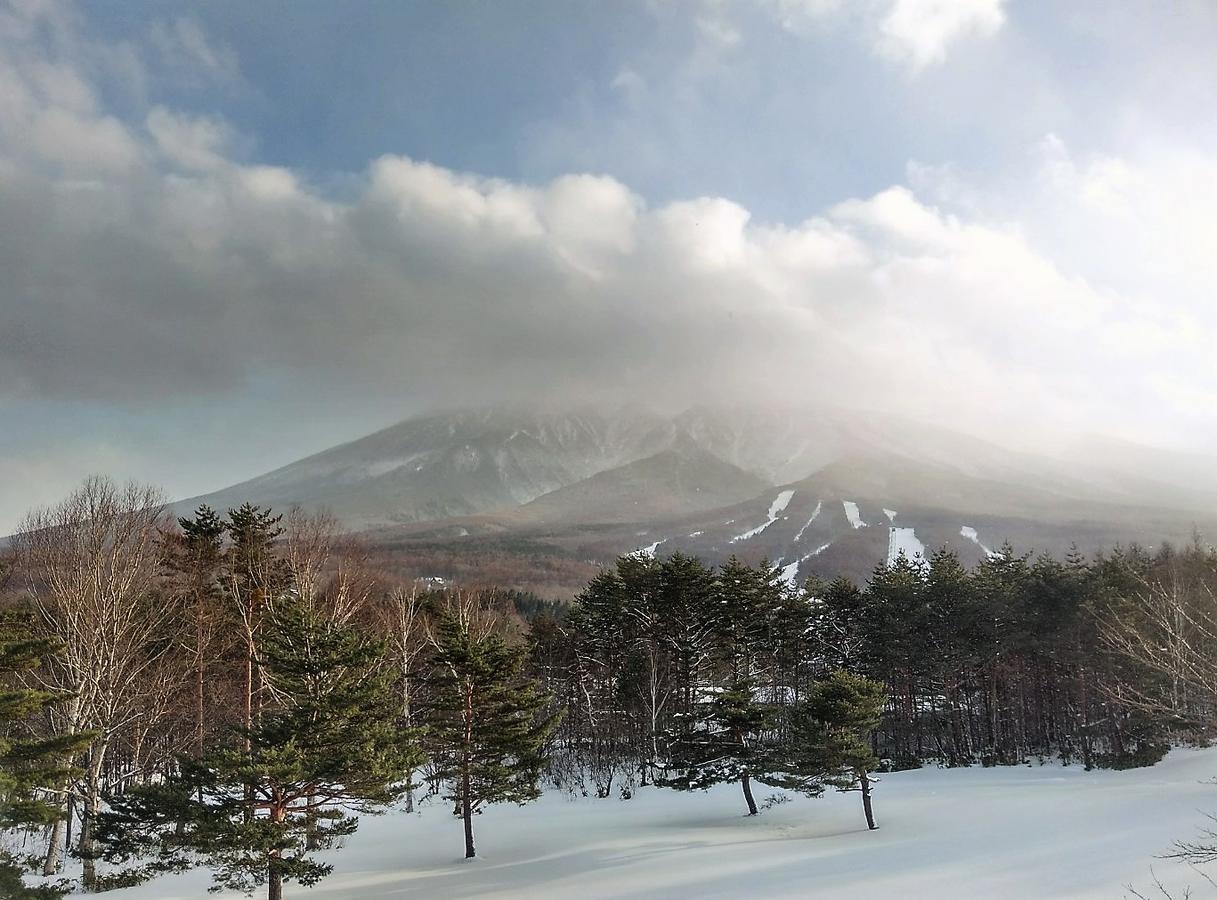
x=829, y=490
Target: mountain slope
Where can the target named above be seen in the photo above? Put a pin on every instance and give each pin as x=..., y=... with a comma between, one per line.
x=674, y=482
x=452, y=464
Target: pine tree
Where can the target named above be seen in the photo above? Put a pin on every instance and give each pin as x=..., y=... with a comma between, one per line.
x=27, y=763
x=840, y=713
x=194, y=558
x=255, y=577
x=725, y=742
x=487, y=722
x=329, y=746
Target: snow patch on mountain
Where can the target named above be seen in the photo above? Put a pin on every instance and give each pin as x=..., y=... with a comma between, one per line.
x=650, y=549
x=890, y=513
x=814, y=513
x=790, y=574
x=969, y=532
x=904, y=540
x=851, y=513
x=775, y=508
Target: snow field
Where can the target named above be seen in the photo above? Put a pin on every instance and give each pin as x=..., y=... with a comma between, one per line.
x=775, y=509
x=1019, y=832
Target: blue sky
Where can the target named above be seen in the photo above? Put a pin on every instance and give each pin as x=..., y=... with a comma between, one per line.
x=238, y=232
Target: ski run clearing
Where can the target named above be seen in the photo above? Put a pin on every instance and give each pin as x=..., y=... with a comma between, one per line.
x=851, y=513
x=1017, y=832
x=815, y=514
x=775, y=509
x=904, y=540
x=967, y=531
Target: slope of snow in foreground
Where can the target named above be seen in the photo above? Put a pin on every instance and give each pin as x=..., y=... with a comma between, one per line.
x=1041, y=831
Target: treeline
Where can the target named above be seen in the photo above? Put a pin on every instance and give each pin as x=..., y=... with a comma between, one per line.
x=1102, y=662
x=234, y=689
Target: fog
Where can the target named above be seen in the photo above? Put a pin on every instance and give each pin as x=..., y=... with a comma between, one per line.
x=158, y=274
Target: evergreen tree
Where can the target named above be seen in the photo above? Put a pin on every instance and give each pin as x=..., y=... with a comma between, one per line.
x=487, y=721
x=27, y=763
x=329, y=747
x=193, y=559
x=255, y=577
x=724, y=743
x=839, y=715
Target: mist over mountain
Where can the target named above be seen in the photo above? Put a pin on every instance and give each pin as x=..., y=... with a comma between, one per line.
x=826, y=490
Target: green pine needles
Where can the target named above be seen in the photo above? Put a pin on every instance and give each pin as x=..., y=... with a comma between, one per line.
x=327, y=748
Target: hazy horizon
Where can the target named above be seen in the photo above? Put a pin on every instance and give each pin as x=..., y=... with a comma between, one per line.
x=235, y=235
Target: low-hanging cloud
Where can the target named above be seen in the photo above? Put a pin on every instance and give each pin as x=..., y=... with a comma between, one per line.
x=146, y=264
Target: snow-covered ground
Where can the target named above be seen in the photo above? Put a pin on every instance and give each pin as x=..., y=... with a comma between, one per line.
x=1026, y=832
x=970, y=533
x=815, y=514
x=775, y=509
x=851, y=513
x=904, y=540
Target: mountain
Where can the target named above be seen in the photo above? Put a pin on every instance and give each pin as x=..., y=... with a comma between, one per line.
x=539, y=498
x=451, y=464
x=681, y=480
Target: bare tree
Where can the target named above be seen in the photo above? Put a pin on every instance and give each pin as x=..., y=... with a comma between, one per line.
x=401, y=618
x=92, y=563
x=1168, y=626
x=330, y=569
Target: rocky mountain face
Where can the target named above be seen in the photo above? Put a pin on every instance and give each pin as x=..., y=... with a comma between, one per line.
x=827, y=491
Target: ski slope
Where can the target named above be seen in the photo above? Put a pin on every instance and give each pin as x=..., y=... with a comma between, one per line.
x=775, y=509
x=1023, y=832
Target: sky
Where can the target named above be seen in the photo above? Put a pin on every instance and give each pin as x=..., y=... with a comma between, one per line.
x=233, y=234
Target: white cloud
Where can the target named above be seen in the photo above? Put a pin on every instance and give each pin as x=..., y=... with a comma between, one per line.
x=919, y=32
x=146, y=264
x=185, y=47
x=913, y=33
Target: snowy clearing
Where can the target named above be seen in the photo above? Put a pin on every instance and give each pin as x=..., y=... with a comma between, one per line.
x=904, y=540
x=814, y=515
x=650, y=549
x=775, y=508
x=1022, y=832
x=851, y=513
x=969, y=532
x=890, y=513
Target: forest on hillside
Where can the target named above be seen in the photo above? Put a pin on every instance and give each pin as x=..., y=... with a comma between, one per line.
x=234, y=689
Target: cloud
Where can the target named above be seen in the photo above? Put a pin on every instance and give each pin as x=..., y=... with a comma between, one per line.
x=919, y=32
x=912, y=33
x=148, y=267
x=184, y=47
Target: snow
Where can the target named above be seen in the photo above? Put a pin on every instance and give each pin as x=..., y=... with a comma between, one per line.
x=814, y=514
x=696, y=534
x=650, y=549
x=969, y=532
x=890, y=513
x=775, y=508
x=904, y=540
x=790, y=574
x=1044, y=832
x=851, y=513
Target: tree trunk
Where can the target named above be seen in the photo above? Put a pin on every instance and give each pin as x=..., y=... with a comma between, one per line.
x=864, y=780
x=199, y=688
x=50, y=863
x=466, y=779
x=313, y=838
x=274, y=876
x=467, y=815
x=746, y=783
x=89, y=817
